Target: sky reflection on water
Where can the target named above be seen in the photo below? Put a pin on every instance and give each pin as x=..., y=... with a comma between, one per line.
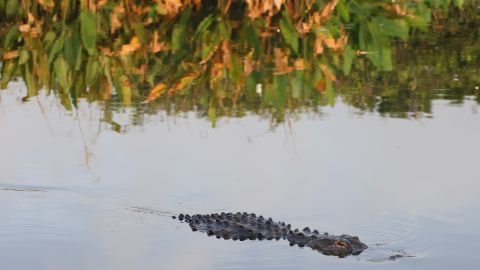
x=401, y=185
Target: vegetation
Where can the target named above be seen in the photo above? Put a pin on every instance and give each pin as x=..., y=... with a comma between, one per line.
x=231, y=57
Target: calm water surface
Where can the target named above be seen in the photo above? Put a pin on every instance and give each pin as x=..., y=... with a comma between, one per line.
x=77, y=195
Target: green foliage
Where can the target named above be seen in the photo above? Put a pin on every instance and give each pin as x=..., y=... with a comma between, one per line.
x=88, y=30
x=289, y=32
x=217, y=59
x=62, y=73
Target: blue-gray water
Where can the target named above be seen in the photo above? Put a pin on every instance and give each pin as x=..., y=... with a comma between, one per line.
x=76, y=195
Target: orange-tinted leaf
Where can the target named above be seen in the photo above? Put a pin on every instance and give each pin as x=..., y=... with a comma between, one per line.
x=299, y=64
x=31, y=18
x=11, y=54
x=248, y=64
x=101, y=3
x=182, y=83
x=258, y=7
x=130, y=47
x=327, y=10
x=24, y=28
x=169, y=7
x=281, y=62
x=327, y=72
x=321, y=86
x=227, y=55
x=395, y=9
x=318, y=46
x=155, y=92
x=156, y=46
x=115, y=22
x=46, y=3
x=336, y=44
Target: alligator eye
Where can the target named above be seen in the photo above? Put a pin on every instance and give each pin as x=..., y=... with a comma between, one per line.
x=341, y=244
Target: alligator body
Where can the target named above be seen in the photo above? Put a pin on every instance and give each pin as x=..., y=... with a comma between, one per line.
x=244, y=226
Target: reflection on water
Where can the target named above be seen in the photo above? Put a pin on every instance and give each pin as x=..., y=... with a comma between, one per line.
x=404, y=186
x=357, y=117
x=274, y=59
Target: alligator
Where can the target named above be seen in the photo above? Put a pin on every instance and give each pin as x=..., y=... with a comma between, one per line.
x=245, y=226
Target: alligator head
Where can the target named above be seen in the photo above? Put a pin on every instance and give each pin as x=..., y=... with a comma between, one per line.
x=340, y=246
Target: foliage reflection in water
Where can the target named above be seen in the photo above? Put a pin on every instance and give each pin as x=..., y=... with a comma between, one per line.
x=231, y=58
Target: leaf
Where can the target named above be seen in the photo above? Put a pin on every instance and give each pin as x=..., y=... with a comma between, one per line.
x=24, y=57
x=69, y=51
x=183, y=82
x=140, y=32
x=212, y=112
x=130, y=47
x=24, y=28
x=281, y=62
x=92, y=71
x=67, y=9
x=363, y=36
x=11, y=38
x=77, y=49
x=343, y=10
x=289, y=32
x=66, y=101
x=330, y=93
x=88, y=30
x=280, y=83
x=297, y=84
x=327, y=72
x=236, y=72
x=381, y=57
x=12, y=8
x=224, y=29
x=56, y=48
x=11, y=54
x=348, y=56
x=30, y=82
x=46, y=3
x=125, y=90
x=48, y=39
x=328, y=9
x=204, y=25
x=180, y=30
x=380, y=48
x=156, y=91
x=61, y=70
x=252, y=36
x=459, y=3
x=178, y=37
x=418, y=22
x=42, y=70
x=393, y=27
x=8, y=70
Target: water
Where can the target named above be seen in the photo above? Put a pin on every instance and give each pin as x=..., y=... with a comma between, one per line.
x=375, y=137
x=74, y=194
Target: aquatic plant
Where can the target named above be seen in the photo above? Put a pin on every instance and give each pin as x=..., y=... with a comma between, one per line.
x=219, y=57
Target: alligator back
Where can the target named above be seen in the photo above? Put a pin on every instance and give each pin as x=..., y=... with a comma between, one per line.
x=244, y=226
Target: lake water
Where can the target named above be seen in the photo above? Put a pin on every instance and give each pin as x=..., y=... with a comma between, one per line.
x=344, y=116
x=77, y=195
